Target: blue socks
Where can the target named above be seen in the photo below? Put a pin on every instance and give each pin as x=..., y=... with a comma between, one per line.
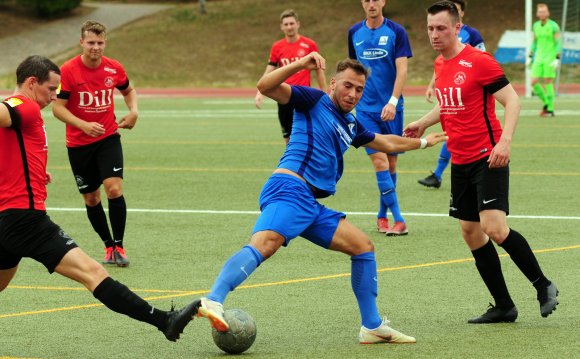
x=388, y=196
x=444, y=158
x=364, y=283
x=234, y=272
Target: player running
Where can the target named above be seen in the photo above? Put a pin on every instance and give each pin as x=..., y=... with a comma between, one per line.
x=468, y=82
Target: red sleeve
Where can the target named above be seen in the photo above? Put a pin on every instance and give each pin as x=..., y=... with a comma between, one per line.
x=274, y=55
x=488, y=69
x=314, y=47
x=66, y=78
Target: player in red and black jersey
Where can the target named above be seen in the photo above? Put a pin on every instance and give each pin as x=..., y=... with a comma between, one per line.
x=85, y=103
x=291, y=48
x=26, y=231
x=468, y=82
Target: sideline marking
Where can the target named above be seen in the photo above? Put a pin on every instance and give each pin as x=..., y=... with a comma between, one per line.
x=270, y=284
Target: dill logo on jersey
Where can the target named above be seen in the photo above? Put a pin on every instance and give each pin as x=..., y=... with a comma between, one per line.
x=103, y=98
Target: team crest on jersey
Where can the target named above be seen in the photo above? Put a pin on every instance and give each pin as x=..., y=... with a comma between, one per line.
x=301, y=52
x=383, y=40
x=13, y=102
x=459, y=78
x=108, y=69
x=109, y=81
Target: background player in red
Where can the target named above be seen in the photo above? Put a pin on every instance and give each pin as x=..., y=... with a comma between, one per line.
x=468, y=82
x=291, y=48
x=25, y=228
x=85, y=103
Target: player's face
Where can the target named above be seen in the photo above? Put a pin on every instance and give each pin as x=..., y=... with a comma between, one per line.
x=290, y=26
x=347, y=89
x=93, y=46
x=373, y=8
x=441, y=30
x=542, y=13
x=45, y=93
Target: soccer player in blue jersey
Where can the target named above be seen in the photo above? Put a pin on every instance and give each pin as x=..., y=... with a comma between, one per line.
x=382, y=46
x=323, y=129
x=467, y=35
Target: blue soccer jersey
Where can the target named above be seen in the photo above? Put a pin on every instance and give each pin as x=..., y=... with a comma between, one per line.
x=320, y=135
x=378, y=49
x=469, y=35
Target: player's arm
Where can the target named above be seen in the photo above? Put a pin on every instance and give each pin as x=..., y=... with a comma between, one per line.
x=500, y=154
x=417, y=128
x=5, y=118
x=558, y=42
x=131, y=100
x=533, y=47
x=259, y=99
x=390, y=108
x=272, y=84
x=394, y=143
x=321, y=79
x=59, y=110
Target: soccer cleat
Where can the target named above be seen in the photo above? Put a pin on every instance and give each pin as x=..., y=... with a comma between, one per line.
x=178, y=320
x=109, y=258
x=120, y=257
x=496, y=315
x=214, y=312
x=383, y=334
x=548, y=299
x=546, y=113
x=430, y=181
x=383, y=225
x=399, y=229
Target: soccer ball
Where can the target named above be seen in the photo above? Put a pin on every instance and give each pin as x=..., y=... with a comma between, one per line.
x=241, y=334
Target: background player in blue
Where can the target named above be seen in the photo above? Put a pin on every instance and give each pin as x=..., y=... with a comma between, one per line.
x=323, y=129
x=467, y=35
x=382, y=46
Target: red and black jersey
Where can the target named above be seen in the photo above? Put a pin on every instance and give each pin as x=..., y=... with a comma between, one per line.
x=464, y=86
x=89, y=92
x=24, y=156
x=283, y=53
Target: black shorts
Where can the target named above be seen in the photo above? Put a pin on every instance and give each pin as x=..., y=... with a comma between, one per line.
x=32, y=234
x=286, y=115
x=92, y=164
x=476, y=187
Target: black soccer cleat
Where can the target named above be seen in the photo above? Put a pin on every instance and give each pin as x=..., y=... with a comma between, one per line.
x=178, y=320
x=496, y=315
x=547, y=297
x=430, y=181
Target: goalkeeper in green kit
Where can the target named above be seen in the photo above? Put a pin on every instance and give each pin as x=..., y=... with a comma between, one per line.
x=545, y=58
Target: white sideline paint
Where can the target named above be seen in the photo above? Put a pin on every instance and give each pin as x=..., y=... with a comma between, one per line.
x=210, y=211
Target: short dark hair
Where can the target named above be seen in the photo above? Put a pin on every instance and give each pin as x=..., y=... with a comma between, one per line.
x=95, y=27
x=445, y=6
x=462, y=4
x=288, y=13
x=35, y=66
x=354, y=65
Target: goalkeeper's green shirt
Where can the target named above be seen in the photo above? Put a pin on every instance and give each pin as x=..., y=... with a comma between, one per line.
x=545, y=46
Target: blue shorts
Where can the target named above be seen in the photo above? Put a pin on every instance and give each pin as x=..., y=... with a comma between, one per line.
x=290, y=209
x=372, y=121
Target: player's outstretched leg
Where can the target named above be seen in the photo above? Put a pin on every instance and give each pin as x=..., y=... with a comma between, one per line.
x=234, y=272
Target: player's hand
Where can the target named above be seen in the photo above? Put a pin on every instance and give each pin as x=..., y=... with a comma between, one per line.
x=529, y=61
x=414, y=130
x=429, y=94
x=435, y=138
x=48, y=178
x=259, y=100
x=93, y=129
x=388, y=112
x=555, y=64
x=500, y=155
x=128, y=121
x=313, y=61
